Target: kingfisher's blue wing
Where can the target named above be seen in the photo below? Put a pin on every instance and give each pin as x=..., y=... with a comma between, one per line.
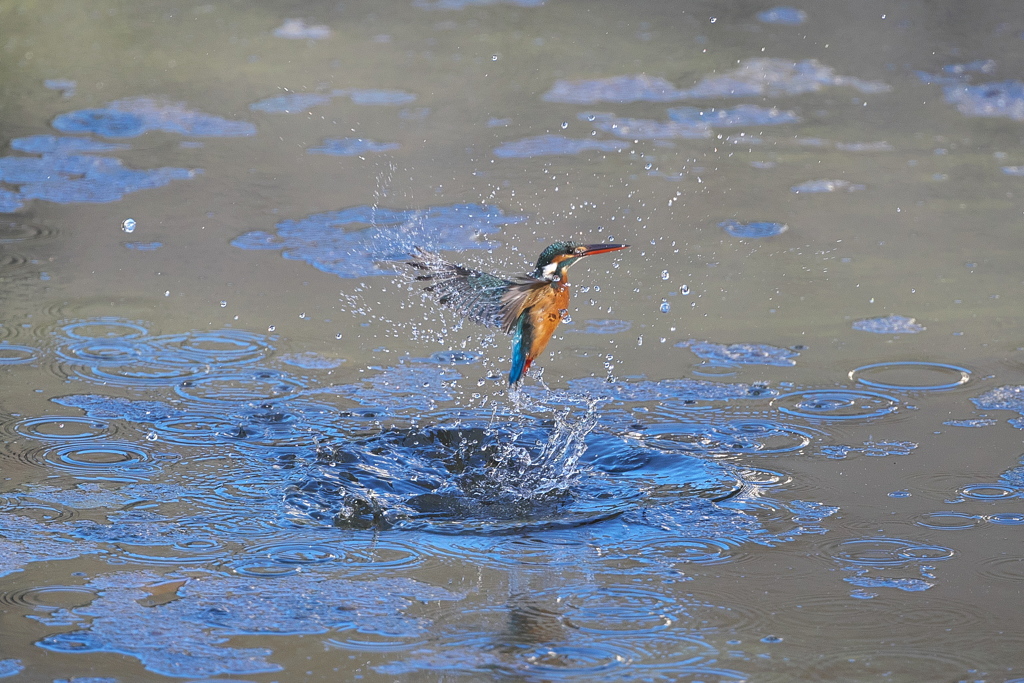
x=475, y=295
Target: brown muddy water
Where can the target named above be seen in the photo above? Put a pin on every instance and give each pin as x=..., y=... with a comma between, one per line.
x=779, y=439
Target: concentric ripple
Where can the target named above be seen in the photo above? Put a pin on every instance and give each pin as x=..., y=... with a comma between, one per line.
x=103, y=328
x=14, y=354
x=887, y=552
x=244, y=386
x=760, y=437
x=836, y=404
x=217, y=348
x=989, y=491
x=97, y=459
x=911, y=376
x=948, y=520
x=13, y=231
x=61, y=428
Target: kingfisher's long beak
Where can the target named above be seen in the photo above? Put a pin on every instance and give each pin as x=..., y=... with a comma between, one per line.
x=591, y=249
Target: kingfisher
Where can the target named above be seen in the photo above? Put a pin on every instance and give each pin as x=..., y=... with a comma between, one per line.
x=529, y=307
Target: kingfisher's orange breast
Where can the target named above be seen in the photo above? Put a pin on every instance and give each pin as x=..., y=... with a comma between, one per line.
x=546, y=315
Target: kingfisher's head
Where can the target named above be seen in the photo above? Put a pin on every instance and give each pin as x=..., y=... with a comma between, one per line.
x=559, y=256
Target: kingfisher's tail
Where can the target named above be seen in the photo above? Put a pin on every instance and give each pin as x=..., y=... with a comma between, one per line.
x=520, y=349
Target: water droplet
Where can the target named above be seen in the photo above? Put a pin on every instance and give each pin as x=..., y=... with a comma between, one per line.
x=494, y=58
x=714, y=19
x=223, y=304
x=684, y=290
x=167, y=293
x=665, y=306
x=128, y=225
x=665, y=275
x=302, y=315
x=565, y=124
x=152, y=436
x=271, y=328
x=640, y=340
x=338, y=336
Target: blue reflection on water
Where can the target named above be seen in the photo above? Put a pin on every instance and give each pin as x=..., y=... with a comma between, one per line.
x=295, y=102
x=1003, y=99
x=251, y=488
x=785, y=16
x=347, y=147
x=322, y=241
x=767, y=77
x=134, y=116
x=743, y=115
x=66, y=171
x=555, y=145
x=753, y=230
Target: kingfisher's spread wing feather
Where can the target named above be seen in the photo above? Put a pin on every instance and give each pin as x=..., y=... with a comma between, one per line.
x=523, y=292
x=481, y=297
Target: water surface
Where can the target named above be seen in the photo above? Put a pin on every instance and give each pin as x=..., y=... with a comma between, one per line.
x=779, y=438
